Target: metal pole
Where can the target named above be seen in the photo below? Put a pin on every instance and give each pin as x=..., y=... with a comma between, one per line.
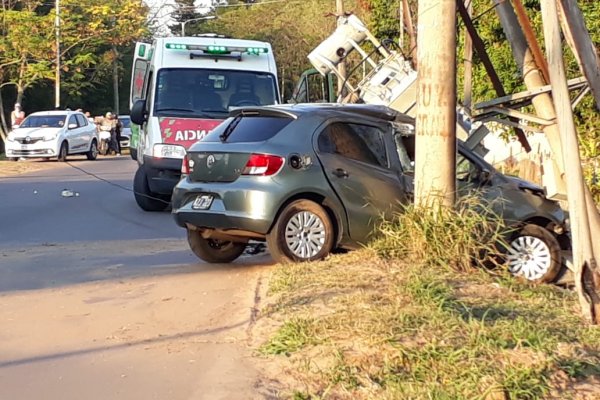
x=583, y=256
x=183, y=28
x=435, y=152
x=57, y=72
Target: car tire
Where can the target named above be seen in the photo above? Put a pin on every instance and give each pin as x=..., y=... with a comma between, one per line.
x=133, y=153
x=63, y=152
x=147, y=200
x=534, y=254
x=214, y=251
x=103, y=148
x=92, y=154
x=302, y=232
x=12, y=159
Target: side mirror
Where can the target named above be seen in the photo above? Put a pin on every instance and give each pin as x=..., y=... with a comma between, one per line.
x=138, y=112
x=72, y=126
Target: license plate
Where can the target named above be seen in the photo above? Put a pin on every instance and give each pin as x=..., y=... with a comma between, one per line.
x=24, y=147
x=202, y=202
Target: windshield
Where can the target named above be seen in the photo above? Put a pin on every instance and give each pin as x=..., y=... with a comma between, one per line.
x=125, y=121
x=208, y=93
x=44, y=121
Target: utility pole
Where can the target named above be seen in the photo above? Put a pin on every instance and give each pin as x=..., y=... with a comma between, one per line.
x=339, y=5
x=57, y=73
x=435, y=152
x=542, y=102
x=583, y=257
x=410, y=30
x=468, y=61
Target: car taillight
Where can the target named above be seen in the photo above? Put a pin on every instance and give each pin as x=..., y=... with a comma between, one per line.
x=187, y=165
x=263, y=165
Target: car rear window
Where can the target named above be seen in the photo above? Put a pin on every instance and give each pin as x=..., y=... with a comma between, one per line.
x=248, y=129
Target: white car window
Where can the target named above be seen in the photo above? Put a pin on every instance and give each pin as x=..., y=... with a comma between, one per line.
x=73, y=120
x=81, y=120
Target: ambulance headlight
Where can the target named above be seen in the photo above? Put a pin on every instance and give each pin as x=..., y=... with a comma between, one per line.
x=162, y=150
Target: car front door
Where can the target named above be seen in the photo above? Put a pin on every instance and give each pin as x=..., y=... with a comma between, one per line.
x=357, y=165
x=86, y=131
x=73, y=136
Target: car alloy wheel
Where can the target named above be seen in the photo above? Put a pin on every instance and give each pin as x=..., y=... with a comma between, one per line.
x=303, y=231
x=534, y=253
x=305, y=234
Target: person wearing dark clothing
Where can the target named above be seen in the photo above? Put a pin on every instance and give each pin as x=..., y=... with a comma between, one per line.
x=113, y=122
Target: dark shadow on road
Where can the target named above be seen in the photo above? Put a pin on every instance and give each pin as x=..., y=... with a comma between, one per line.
x=145, y=342
x=60, y=265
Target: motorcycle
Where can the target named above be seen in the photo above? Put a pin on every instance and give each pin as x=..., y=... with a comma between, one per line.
x=104, y=136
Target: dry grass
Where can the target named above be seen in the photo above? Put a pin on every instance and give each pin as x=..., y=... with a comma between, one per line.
x=357, y=329
x=395, y=322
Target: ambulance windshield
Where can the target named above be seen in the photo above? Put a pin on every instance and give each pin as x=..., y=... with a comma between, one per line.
x=210, y=93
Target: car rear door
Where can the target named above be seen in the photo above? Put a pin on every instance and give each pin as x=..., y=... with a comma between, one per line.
x=355, y=160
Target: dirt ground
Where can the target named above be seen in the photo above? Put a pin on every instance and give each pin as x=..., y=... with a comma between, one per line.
x=129, y=329
x=11, y=168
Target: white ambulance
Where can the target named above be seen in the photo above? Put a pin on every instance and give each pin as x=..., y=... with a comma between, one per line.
x=183, y=87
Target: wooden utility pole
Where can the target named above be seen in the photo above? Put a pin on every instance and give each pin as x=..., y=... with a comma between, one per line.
x=468, y=61
x=435, y=153
x=583, y=257
x=339, y=5
x=410, y=30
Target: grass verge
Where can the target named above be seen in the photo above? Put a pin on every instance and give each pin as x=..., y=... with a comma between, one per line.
x=394, y=322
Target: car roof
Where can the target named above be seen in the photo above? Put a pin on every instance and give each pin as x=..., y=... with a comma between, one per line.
x=55, y=112
x=328, y=110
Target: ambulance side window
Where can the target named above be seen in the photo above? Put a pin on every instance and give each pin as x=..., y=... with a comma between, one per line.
x=139, y=84
x=149, y=92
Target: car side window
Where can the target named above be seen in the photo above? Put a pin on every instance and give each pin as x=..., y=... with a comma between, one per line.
x=73, y=120
x=81, y=120
x=355, y=141
x=467, y=172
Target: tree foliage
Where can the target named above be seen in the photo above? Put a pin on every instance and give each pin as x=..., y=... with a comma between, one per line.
x=90, y=31
x=293, y=28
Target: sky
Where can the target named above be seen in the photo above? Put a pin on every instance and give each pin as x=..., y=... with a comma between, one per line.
x=162, y=9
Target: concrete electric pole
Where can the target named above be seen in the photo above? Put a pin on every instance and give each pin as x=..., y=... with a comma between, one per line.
x=583, y=255
x=435, y=153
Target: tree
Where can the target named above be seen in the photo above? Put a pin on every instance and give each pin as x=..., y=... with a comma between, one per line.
x=184, y=11
x=294, y=29
x=92, y=36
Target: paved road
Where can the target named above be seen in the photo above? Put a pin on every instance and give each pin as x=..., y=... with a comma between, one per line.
x=100, y=300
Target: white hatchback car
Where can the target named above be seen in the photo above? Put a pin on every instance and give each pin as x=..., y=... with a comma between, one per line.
x=50, y=134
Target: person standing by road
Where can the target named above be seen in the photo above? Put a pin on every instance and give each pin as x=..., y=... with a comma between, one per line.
x=113, y=123
x=17, y=115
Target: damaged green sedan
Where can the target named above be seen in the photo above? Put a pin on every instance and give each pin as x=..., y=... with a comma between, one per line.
x=312, y=178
